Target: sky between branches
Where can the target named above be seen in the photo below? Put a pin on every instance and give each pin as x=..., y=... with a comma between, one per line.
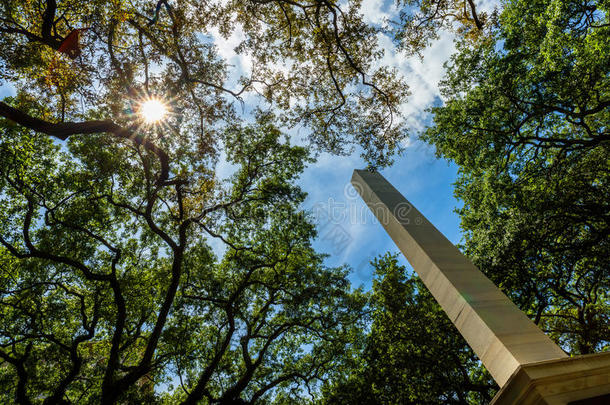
x=350, y=235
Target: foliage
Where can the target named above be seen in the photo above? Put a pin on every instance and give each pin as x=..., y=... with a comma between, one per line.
x=526, y=119
x=422, y=21
x=412, y=353
x=110, y=289
x=313, y=61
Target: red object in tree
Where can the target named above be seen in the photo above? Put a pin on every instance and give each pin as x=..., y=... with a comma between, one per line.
x=70, y=45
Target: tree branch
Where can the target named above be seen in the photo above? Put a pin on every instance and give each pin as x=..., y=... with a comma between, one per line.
x=64, y=130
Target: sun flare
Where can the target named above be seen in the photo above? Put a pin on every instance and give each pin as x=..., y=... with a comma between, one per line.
x=153, y=110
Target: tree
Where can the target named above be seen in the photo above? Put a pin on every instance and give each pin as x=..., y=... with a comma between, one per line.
x=421, y=21
x=540, y=85
x=109, y=287
x=526, y=119
x=545, y=242
x=412, y=354
x=313, y=61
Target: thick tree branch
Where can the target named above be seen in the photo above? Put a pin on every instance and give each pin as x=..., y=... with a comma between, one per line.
x=64, y=130
x=475, y=17
x=21, y=396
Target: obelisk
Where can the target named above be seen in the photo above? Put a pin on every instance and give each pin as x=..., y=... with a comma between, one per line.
x=501, y=335
x=508, y=343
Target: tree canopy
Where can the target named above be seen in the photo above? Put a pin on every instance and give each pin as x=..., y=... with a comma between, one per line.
x=422, y=21
x=313, y=63
x=110, y=290
x=526, y=119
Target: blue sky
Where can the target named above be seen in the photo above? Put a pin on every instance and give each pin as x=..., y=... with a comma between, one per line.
x=350, y=234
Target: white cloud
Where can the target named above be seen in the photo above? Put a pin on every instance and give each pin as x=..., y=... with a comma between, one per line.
x=373, y=11
x=239, y=64
x=487, y=5
x=7, y=90
x=421, y=74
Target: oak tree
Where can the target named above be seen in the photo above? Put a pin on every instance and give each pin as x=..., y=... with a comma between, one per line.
x=526, y=119
x=110, y=290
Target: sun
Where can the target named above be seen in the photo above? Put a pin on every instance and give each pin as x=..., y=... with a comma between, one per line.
x=153, y=110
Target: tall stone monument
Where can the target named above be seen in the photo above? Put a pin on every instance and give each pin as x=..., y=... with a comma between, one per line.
x=526, y=364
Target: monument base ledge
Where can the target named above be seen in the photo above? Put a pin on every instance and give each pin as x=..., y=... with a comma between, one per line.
x=579, y=380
